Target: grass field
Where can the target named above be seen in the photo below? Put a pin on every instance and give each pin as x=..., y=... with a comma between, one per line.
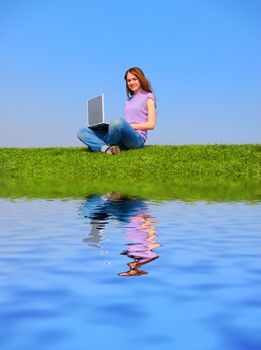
x=163, y=169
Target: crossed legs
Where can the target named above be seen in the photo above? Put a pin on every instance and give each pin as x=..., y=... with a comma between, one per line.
x=120, y=133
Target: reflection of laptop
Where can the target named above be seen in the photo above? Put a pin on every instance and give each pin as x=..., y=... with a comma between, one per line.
x=95, y=112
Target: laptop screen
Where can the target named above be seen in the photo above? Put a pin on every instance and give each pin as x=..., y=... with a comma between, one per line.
x=95, y=110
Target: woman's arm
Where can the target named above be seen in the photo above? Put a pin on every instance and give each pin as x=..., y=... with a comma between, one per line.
x=150, y=124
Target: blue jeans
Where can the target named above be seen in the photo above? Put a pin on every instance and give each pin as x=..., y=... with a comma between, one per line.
x=120, y=133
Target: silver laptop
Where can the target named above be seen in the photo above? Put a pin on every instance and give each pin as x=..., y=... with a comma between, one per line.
x=95, y=113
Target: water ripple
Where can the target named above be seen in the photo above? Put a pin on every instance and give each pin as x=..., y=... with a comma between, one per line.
x=116, y=270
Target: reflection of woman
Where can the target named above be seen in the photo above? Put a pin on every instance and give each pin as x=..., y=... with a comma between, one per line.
x=139, y=226
x=142, y=235
x=102, y=208
x=129, y=132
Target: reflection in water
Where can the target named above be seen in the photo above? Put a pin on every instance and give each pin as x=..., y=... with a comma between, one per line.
x=139, y=227
x=142, y=235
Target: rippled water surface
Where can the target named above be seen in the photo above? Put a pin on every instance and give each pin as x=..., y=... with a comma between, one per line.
x=118, y=272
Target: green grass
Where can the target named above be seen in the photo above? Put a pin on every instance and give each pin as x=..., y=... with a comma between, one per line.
x=150, y=163
x=152, y=169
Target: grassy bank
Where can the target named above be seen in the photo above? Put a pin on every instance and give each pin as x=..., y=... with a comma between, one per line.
x=152, y=163
x=212, y=172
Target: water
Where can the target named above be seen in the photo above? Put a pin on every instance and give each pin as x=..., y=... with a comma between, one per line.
x=113, y=271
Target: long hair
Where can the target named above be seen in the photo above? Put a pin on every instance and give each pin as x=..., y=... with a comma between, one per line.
x=144, y=82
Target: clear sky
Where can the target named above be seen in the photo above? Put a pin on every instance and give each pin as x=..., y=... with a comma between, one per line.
x=203, y=59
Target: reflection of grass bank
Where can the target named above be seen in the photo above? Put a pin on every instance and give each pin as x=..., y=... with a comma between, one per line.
x=154, y=171
x=181, y=190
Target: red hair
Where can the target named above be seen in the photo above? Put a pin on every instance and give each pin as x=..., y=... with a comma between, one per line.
x=144, y=82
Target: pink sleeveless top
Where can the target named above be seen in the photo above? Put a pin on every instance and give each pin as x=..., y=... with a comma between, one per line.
x=136, y=111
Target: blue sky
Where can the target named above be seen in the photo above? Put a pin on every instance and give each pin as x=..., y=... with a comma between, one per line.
x=202, y=58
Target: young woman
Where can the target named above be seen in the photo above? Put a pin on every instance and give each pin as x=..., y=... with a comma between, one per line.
x=129, y=132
